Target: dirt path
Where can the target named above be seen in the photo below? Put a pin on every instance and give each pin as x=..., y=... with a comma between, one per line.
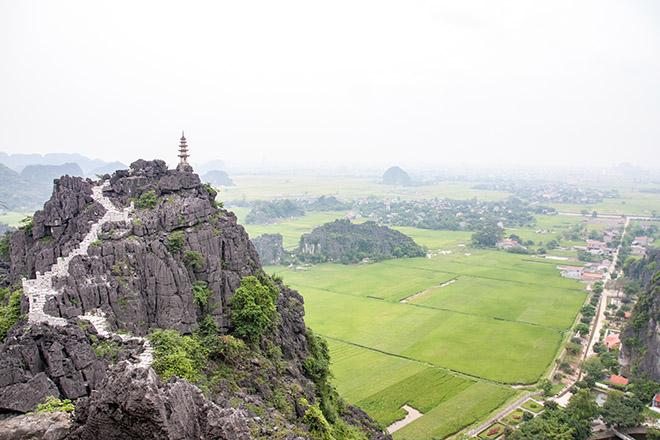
x=412, y=415
x=425, y=291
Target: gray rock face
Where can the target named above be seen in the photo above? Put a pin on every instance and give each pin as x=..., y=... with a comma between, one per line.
x=134, y=404
x=56, y=229
x=644, y=327
x=42, y=426
x=45, y=361
x=139, y=276
x=270, y=248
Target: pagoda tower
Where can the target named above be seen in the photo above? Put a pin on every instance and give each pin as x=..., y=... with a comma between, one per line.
x=183, y=155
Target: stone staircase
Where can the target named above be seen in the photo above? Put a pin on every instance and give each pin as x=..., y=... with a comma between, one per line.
x=40, y=289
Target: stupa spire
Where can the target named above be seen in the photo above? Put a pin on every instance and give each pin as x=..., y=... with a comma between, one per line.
x=183, y=154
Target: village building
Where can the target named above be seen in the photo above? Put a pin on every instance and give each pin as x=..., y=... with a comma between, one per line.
x=615, y=379
x=656, y=401
x=612, y=341
x=507, y=243
x=571, y=272
x=637, y=250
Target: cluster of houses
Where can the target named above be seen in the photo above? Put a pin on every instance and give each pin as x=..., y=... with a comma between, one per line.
x=590, y=272
x=639, y=245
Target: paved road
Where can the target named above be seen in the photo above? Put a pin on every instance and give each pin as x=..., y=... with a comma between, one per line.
x=500, y=414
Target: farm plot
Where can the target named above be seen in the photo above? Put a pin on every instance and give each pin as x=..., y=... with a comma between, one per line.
x=503, y=351
x=534, y=303
x=450, y=403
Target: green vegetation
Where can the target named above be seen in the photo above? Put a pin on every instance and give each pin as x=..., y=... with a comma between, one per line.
x=532, y=406
x=107, y=349
x=253, y=308
x=53, y=404
x=175, y=241
x=26, y=224
x=201, y=294
x=177, y=355
x=194, y=260
x=10, y=310
x=4, y=246
x=147, y=200
x=423, y=391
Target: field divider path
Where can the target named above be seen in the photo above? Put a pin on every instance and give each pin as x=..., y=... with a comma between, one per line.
x=409, y=298
x=461, y=374
x=525, y=283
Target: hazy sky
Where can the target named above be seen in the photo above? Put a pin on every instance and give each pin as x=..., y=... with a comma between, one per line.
x=510, y=82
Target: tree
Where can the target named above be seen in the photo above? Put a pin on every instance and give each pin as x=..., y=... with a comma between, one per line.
x=488, y=236
x=546, y=386
x=621, y=411
x=582, y=406
x=593, y=370
x=253, y=308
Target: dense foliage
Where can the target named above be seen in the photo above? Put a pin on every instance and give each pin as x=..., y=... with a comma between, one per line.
x=53, y=404
x=177, y=355
x=147, y=200
x=10, y=310
x=253, y=309
x=269, y=212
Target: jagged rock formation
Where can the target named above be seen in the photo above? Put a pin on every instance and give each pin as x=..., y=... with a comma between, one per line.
x=396, y=176
x=270, y=248
x=218, y=178
x=106, y=260
x=641, y=337
x=41, y=426
x=348, y=242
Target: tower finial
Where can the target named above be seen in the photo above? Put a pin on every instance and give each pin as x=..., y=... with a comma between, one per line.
x=183, y=155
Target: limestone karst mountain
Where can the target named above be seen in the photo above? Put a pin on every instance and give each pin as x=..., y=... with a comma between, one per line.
x=108, y=264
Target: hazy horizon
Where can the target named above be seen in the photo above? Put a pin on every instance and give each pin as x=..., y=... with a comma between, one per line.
x=306, y=84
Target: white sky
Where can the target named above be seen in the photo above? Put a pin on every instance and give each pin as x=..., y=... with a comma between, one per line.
x=334, y=82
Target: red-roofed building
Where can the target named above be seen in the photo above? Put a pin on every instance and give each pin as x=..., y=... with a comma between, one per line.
x=591, y=276
x=615, y=379
x=612, y=341
x=656, y=401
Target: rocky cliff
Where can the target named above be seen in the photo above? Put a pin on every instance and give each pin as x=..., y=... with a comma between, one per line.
x=641, y=337
x=108, y=262
x=348, y=242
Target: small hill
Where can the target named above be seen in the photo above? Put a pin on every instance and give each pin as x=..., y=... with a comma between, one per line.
x=270, y=212
x=347, y=242
x=327, y=203
x=396, y=176
x=218, y=178
x=20, y=194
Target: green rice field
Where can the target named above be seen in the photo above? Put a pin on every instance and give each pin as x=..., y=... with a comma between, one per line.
x=473, y=322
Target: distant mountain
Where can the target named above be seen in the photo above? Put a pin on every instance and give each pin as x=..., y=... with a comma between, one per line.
x=108, y=168
x=19, y=161
x=209, y=166
x=218, y=178
x=18, y=194
x=45, y=174
x=396, y=176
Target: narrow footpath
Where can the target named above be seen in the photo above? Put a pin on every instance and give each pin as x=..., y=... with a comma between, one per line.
x=40, y=289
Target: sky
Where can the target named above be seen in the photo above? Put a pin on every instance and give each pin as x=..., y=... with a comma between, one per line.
x=309, y=83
